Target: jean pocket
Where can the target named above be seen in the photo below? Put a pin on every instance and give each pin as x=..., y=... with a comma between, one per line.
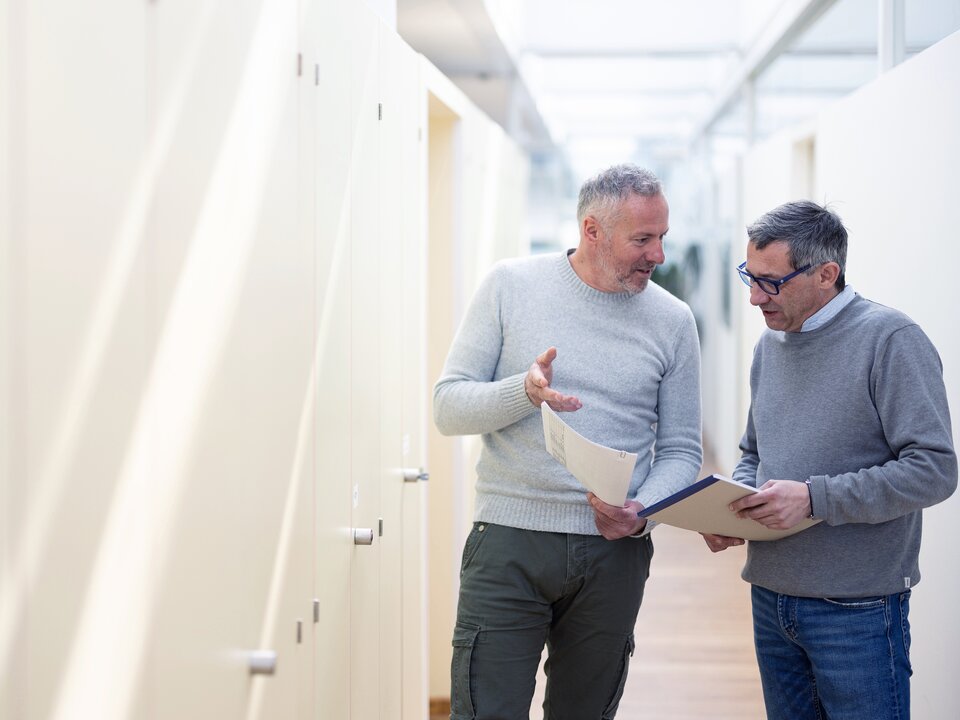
x=461, y=686
x=864, y=603
x=611, y=709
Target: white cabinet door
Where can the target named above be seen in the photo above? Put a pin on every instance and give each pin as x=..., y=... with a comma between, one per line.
x=76, y=357
x=365, y=348
x=230, y=374
x=332, y=240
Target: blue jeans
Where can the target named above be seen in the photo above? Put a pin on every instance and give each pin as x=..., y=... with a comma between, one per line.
x=836, y=659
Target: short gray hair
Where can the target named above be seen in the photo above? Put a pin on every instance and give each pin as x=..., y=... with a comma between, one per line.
x=814, y=234
x=601, y=193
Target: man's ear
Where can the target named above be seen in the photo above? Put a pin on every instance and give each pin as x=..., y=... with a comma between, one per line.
x=829, y=272
x=591, y=228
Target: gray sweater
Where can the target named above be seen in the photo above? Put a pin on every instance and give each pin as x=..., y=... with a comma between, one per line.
x=858, y=407
x=632, y=360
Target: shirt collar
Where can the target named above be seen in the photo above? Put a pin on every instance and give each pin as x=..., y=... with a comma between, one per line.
x=829, y=311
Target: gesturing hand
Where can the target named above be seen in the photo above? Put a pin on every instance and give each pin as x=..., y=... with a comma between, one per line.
x=537, y=384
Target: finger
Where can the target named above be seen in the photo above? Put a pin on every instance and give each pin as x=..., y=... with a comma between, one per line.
x=752, y=500
x=561, y=403
x=552, y=396
x=537, y=377
x=611, y=523
x=545, y=358
x=611, y=512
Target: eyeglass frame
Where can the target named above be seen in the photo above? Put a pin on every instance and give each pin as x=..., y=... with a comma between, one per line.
x=761, y=281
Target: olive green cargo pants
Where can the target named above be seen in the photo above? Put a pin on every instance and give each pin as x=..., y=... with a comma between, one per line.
x=522, y=589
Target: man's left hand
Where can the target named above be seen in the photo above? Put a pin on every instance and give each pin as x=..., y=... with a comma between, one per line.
x=778, y=505
x=616, y=522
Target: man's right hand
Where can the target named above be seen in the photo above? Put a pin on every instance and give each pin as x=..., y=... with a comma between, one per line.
x=716, y=543
x=537, y=385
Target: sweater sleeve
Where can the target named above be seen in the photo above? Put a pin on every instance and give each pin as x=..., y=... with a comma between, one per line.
x=746, y=469
x=466, y=399
x=677, y=454
x=911, y=402
x=749, y=463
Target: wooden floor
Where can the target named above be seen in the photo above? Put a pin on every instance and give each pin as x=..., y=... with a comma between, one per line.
x=694, y=656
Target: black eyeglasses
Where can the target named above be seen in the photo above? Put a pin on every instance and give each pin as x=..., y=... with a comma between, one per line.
x=769, y=285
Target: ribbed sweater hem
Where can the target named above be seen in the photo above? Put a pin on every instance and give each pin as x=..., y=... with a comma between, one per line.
x=540, y=515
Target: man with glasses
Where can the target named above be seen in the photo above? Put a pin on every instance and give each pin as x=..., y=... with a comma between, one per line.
x=587, y=333
x=849, y=424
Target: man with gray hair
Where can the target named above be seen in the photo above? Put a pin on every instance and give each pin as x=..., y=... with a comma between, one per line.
x=849, y=424
x=587, y=333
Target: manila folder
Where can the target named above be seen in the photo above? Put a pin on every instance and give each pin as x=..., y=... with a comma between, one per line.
x=703, y=507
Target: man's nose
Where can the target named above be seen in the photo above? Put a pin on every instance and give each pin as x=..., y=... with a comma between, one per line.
x=757, y=296
x=656, y=252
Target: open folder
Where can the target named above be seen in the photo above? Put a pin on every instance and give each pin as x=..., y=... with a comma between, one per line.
x=604, y=471
x=703, y=507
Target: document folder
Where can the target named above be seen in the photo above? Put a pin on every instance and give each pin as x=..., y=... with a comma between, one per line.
x=703, y=507
x=604, y=471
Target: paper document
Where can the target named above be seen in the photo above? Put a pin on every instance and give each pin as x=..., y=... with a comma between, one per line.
x=703, y=507
x=604, y=471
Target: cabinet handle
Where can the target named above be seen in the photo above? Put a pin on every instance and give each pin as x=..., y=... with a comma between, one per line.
x=415, y=475
x=363, y=536
x=263, y=662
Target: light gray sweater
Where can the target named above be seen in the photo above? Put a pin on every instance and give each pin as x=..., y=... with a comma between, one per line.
x=632, y=360
x=858, y=407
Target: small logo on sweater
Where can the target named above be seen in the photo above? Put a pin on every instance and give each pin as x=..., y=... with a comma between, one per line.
x=906, y=583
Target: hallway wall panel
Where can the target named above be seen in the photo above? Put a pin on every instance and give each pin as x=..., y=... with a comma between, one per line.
x=213, y=358
x=76, y=350
x=334, y=373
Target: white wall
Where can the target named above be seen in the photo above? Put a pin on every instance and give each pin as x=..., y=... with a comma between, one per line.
x=887, y=158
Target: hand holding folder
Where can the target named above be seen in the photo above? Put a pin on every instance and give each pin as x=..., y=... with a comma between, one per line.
x=703, y=507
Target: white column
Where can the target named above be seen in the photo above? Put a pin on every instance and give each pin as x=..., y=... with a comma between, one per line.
x=891, y=38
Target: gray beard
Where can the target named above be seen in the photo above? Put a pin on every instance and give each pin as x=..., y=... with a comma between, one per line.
x=606, y=267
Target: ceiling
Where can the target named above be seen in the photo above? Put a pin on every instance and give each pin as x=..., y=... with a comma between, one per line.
x=650, y=80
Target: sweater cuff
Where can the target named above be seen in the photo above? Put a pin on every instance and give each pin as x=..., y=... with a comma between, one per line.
x=647, y=529
x=514, y=397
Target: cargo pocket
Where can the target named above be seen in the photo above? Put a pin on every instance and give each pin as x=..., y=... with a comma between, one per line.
x=461, y=690
x=611, y=710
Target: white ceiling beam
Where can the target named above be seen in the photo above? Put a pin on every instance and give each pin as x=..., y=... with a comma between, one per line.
x=603, y=52
x=789, y=22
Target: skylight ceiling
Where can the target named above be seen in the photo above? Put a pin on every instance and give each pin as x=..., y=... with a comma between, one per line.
x=648, y=77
